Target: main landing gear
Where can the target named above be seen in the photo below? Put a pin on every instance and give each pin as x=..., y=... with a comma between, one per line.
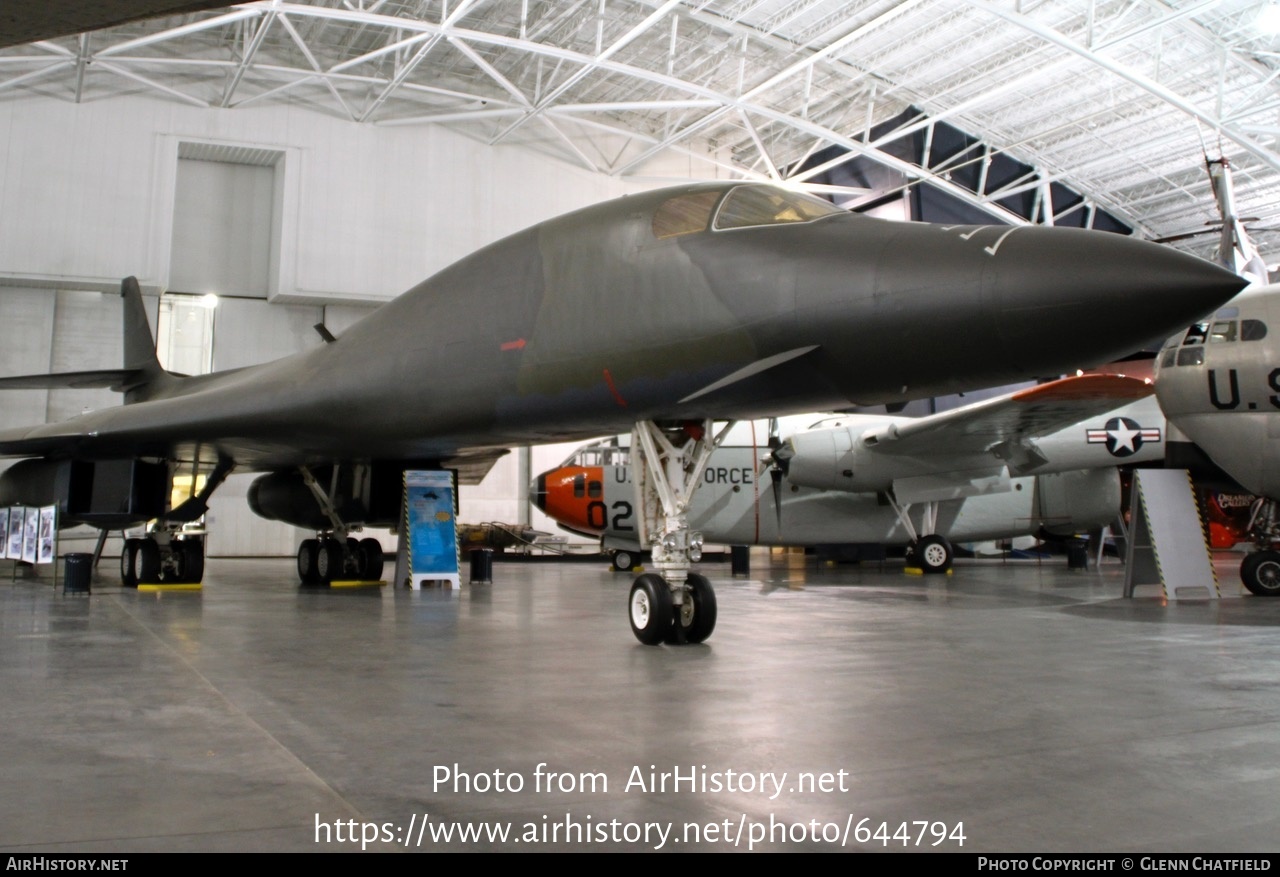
x=674, y=605
x=1260, y=570
x=162, y=557
x=330, y=557
x=169, y=554
x=624, y=560
x=334, y=555
x=928, y=551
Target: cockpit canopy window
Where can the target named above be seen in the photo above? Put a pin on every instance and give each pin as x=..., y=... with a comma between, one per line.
x=1190, y=348
x=684, y=214
x=748, y=206
x=1223, y=331
x=1196, y=334
x=1191, y=356
x=599, y=454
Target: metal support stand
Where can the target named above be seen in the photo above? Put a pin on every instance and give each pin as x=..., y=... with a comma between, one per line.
x=1167, y=545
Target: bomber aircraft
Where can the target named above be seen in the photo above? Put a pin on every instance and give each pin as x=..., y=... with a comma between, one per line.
x=660, y=312
x=1039, y=460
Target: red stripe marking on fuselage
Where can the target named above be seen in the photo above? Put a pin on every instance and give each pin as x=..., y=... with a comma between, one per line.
x=617, y=397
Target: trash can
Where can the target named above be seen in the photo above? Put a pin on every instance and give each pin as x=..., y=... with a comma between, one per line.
x=481, y=566
x=76, y=573
x=739, y=560
x=1077, y=555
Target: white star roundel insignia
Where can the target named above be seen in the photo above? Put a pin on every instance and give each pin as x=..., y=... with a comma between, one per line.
x=1123, y=437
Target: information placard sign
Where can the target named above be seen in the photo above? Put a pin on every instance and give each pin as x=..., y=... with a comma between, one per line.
x=433, y=529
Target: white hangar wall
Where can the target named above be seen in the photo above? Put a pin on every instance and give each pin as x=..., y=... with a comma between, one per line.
x=366, y=211
x=358, y=214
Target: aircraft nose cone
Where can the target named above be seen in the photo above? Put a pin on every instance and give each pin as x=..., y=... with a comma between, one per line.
x=1097, y=292
x=538, y=492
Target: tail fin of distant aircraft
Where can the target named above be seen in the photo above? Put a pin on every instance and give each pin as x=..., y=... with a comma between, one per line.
x=142, y=373
x=1235, y=249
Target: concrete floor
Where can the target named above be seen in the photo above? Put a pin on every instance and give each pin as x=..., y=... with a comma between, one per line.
x=1034, y=706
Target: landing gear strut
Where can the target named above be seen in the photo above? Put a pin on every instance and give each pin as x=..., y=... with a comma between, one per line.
x=334, y=555
x=1260, y=570
x=674, y=605
x=168, y=554
x=928, y=551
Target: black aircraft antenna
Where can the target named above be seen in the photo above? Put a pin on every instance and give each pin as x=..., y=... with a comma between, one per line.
x=324, y=333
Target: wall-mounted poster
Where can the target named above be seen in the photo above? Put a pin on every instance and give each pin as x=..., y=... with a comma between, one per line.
x=17, y=518
x=48, y=525
x=30, y=535
x=4, y=532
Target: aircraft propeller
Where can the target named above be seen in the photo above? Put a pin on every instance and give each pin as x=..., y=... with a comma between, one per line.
x=779, y=462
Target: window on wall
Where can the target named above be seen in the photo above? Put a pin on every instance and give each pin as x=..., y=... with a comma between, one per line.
x=184, y=333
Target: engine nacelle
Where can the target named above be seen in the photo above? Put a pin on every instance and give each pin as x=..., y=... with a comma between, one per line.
x=838, y=459
x=364, y=494
x=111, y=494
x=284, y=496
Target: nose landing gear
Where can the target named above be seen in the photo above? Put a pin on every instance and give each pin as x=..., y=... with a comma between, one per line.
x=675, y=605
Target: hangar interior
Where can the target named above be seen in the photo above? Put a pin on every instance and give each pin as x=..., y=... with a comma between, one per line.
x=220, y=212
x=271, y=166
x=306, y=163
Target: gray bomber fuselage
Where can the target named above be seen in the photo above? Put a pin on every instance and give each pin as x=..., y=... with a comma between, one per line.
x=587, y=323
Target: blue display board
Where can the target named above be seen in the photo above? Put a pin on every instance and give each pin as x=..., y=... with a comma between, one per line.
x=433, y=530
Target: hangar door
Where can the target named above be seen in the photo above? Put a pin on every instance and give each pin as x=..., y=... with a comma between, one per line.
x=225, y=220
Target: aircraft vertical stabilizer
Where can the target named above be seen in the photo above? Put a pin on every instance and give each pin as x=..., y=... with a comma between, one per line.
x=140, y=359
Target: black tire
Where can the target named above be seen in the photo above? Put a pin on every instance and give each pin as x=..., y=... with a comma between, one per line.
x=329, y=561
x=694, y=621
x=149, y=570
x=353, y=559
x=371, y=549
x=933, y=554
x=129, y=563
x=192, y=560
x=1260, y=572
x=307, y=561
x=649, y=608
x=623, y=561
